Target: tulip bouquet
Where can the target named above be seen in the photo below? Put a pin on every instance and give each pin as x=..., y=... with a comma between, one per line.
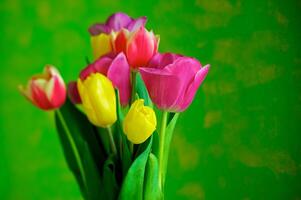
x=108, y=124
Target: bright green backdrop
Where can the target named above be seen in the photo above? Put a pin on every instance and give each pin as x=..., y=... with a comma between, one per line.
x=240, y=139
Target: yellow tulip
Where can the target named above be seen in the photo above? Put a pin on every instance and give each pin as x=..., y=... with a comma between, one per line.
x=98, y=99
x=101, y=45
x=140, y=122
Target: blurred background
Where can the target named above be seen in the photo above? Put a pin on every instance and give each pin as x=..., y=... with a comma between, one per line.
x=240, y=139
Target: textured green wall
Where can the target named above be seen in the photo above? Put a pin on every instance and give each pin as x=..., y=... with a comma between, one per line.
x=240, y=139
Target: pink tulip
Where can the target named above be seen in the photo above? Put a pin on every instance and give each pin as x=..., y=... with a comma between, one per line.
x=116, y=69
x=46, y=91
x=139, y=46
x=172, y=80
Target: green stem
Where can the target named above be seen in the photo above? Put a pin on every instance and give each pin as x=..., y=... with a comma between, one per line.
x=73, y=146
x=132, y=148
x=133, y=96
x=133, y=81
x=112, y=142
x=161, y=148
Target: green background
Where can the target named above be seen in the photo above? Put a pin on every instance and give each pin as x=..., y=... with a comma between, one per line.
x=240, y=139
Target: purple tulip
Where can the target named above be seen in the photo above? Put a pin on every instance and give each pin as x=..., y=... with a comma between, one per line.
x=172, y=80
x=116, y=22
x=117, y=69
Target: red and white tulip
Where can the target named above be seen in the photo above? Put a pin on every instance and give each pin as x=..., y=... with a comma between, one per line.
x=47, y=91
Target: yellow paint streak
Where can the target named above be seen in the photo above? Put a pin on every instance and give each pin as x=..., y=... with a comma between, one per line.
x=278, y=161
x=187, y=153
x=212, y=118
x=193, y=191
x=281, y=19
x=218, y=13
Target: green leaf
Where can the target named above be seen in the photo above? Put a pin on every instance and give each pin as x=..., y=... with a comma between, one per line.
x=142, y=91
x=95, y=189
x=120, y=115
x=80, y=143
x=155, y=147
x=142, y=147
x=170, y=116
x=110, y=185
x=104, y=139
x=83, y=131
x=121, y=140
x=125, y=156
x=152, y=189
x=70, y=157
x=132, y=186
x=171, y=123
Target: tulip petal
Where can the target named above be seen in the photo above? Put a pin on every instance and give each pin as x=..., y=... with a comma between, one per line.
x=87, y=71
x=86, y=102
x=191, y=91
x=162, y=60
x=149, y=116
x=155, y=62
x=54, y=87
x=119, y=74
x=156, y=39
x=118, y=21
x=97, y=29
x=38, y=94
x=73, y=93
x=102, y=65
x=101, y=45
x=58, y=92
x=185, y=68
x=121, y=41
x=136, y=23
x=164, y=88
x=26, y=92
x=141, y=47
x=101, y=99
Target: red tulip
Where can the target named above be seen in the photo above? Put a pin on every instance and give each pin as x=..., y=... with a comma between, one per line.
x=46, y=91
x=139, y=46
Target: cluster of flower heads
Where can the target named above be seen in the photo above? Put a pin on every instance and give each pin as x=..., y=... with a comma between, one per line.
x=120, y=46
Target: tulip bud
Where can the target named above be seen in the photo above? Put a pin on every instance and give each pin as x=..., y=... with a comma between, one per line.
x=140, y=122
x=141, y=46
x=46, y=91
x=98, y=99
x=101, y=44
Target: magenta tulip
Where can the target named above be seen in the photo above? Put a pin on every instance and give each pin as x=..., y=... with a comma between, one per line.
x=117, y=69
x=46, y=91
x=172, y=80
